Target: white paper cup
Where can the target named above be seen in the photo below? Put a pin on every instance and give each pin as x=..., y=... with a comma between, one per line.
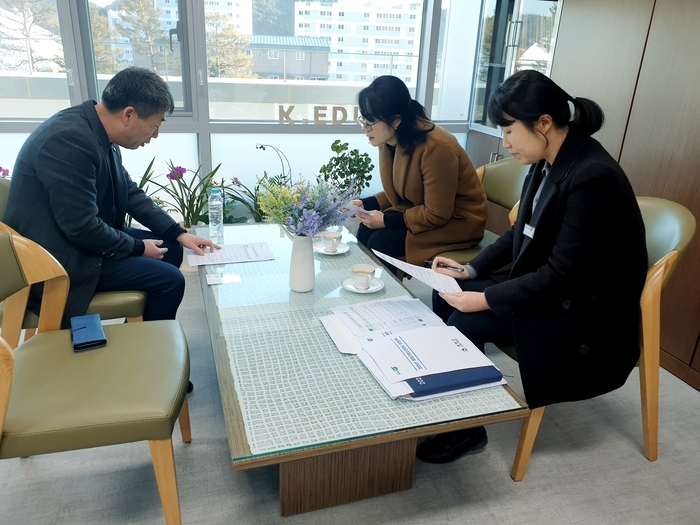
x=362, y=275
x=331, y=241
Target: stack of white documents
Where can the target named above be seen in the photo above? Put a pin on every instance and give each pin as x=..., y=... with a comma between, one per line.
x=409, y=350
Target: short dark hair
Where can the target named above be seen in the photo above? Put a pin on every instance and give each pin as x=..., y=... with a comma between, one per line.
x=386, y=99
x=140, y=88
x=527, y=95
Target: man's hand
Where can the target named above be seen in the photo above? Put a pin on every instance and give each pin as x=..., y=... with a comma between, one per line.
x=466, y=301
x=196, y=244
x=152, y=249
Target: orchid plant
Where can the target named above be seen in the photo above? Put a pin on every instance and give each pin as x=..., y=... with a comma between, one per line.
x=239, y=192
x=143, y=185
x=4, y=173
x=304, y=209
x=188, y=198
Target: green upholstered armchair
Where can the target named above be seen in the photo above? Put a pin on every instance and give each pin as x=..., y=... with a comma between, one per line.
x=503, y=181
x=669, y=229
x=110, y=305
x=53, y=399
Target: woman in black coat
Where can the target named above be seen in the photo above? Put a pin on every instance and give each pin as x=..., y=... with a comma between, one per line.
x=570, y=302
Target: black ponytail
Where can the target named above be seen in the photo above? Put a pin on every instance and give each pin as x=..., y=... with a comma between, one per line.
x=386, y=99
x=588, y=116
x=528, y=94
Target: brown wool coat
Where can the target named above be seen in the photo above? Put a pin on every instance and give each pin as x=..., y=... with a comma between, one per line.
x=438, y=190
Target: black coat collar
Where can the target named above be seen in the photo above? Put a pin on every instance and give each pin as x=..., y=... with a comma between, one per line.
x=574, y=143
x=96, y=124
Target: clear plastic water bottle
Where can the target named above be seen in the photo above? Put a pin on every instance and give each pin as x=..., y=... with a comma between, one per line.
x=216, y=213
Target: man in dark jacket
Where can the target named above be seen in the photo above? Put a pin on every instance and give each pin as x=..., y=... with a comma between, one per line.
x=70, y=194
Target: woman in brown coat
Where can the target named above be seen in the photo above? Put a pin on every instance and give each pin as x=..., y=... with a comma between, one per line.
x=433, y=200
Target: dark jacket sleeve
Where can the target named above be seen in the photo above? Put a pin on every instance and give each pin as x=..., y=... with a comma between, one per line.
x=142, y=208
x=495, y=256
x=70, y=171
x=588, y=211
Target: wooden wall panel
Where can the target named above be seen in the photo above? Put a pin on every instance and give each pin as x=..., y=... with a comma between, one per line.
x=599, y=49
x=661, y=152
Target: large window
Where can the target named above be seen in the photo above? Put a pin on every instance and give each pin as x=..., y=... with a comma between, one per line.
x=33, y=74
x=513, y=35
x=137, y=33
x=307, y=90
x=453, y=71
x=239, y=71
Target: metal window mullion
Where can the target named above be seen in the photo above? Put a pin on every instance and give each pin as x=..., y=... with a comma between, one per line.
x=427, y=54
x=197, y=74
x=71, y=40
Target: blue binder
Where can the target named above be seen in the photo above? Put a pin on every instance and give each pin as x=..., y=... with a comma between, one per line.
x=454, y=380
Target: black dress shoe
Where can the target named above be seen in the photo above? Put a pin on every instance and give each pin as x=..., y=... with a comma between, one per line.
x=190, y=387
x=447, y=447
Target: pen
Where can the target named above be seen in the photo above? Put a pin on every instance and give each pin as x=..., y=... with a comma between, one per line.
x=446, y=266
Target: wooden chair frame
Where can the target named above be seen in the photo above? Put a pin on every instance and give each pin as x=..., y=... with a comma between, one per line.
x=649, y=363
x=12, y=336
x=40, y=266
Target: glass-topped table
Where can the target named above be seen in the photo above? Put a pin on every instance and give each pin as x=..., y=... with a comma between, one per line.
x=290, y=398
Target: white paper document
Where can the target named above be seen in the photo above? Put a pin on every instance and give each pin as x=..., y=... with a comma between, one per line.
x=423, y=352
x=223, y=278
x=353, y=325
x=402, y=390
x=437, y=281
x=398, y=313
x=400, y=340
x=232, y=253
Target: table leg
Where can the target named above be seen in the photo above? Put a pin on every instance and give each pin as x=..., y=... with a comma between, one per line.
x=343, y=477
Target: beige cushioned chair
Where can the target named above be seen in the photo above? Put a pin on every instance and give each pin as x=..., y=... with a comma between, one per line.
x=53, y=399
x=669, y=229
x=110, y=305
x=503, y=181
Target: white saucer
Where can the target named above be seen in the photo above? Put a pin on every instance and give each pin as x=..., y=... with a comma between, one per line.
x=342, y=248
x=375, y=285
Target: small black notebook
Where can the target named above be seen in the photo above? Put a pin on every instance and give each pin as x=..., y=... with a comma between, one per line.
x=86, y=332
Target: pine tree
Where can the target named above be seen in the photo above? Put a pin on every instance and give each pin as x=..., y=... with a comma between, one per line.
x=226, y=49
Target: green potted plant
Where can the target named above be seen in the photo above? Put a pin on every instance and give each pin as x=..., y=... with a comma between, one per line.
x=188, y=198
x=347, y=169
x=237, y=192
x=143, y=184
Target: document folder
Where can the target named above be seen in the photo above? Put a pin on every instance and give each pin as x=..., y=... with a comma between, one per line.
x=86, y=332
x=455, y=380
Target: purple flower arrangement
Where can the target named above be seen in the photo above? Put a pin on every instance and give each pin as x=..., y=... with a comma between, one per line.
x=4, y=173
x=305, y=209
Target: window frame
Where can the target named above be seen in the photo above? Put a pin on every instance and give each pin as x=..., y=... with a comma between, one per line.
x=194, y=117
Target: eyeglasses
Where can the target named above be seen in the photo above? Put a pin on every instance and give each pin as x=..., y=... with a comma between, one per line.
x=366, y=125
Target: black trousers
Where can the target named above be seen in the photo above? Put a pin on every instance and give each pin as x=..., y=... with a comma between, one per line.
x=161, y=280
x=480, y=327
x=389, y=242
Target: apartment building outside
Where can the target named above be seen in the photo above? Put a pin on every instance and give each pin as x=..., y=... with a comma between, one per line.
x=366, y=39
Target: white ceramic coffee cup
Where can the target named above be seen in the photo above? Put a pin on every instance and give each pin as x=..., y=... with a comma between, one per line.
x=362, y=275
x=331, y=241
